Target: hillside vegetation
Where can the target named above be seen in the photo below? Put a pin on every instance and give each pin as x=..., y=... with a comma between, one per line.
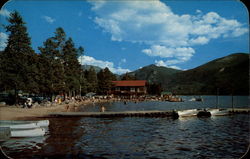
x=228, y=74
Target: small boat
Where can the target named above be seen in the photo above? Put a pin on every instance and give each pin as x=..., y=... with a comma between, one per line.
x=203, y=113
x=188, y=113
x=219, y=112
x=4, y=134
x=28, y=132
x=20, y=126
x=41, y=123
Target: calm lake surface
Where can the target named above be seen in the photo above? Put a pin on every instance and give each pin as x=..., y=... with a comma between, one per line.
x=134, y=137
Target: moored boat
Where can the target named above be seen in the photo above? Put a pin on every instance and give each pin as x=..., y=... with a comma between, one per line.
x=188, y=113
x=40, y=123
x=218, y=112
x=28, y=132
x=20, y=126
x=4, y=133
x=203, y=113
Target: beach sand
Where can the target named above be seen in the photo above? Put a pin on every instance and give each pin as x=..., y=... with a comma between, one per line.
x=19, y=113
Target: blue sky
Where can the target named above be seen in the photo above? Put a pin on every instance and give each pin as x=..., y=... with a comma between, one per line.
x=126, y=35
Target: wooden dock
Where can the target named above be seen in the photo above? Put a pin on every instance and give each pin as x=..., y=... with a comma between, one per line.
x=153, y=113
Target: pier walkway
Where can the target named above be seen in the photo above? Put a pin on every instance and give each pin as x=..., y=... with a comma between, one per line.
x=152, y=113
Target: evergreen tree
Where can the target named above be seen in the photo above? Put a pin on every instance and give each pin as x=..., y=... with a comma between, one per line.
x=52, y=57
x=83, y=81
x=46, y=66
x=105, y=78
x=128, y=77
x=72, y=67
x=18, y=59
x=92, y=80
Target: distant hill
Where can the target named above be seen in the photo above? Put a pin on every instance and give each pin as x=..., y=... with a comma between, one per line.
x=155, y=74
x=230, y=74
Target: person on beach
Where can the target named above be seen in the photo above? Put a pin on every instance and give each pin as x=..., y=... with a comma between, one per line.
x=28, y=103
x=102, y=108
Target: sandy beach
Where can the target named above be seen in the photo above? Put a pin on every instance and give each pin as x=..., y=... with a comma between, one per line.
x=19, y=113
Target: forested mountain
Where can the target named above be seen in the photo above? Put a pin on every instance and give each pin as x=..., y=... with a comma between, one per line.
x=229, y=74
x=154, y=74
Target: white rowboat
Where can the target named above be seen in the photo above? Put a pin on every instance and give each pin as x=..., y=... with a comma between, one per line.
x=21, y=126
x=218, y=112
x=28, y=133
x=187, y=113
x=40, y=123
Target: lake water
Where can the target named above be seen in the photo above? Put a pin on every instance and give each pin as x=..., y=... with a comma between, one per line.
x=134, y=137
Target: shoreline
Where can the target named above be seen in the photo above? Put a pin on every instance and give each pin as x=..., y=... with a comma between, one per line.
x=8, y=112
x=15, y=112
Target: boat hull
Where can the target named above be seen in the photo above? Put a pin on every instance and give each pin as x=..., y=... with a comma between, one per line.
x=40, y=123
x=21, y=126
x=187, y=113
x=28, y=133
x=218, y=112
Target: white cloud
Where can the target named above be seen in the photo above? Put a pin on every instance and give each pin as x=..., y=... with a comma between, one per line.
x=4, y=12
x=48, y=19
x=166, y=64
x=199, y=40
x=97, y=4
x=180, y=54
x=168, y=35
x=3, y=40
x=87, y=60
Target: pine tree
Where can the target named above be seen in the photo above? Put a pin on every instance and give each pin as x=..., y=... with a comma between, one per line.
x=53, y=73
x=83, y=81
x=18, y=59
x=46, y=66
x=72, y=67
x=105, y=78
x=92, y=80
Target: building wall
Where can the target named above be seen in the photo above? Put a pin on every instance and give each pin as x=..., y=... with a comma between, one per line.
x=129, y=90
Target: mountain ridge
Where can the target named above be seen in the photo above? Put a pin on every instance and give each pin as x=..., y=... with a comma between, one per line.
x=228, y=74
x=222, y=73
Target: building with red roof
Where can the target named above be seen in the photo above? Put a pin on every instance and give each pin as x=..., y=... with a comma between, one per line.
x=130, y=88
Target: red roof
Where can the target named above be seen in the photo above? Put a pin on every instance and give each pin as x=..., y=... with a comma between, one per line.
x=130, y=83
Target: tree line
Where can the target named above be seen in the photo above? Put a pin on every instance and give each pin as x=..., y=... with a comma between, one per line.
x=54, y=70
